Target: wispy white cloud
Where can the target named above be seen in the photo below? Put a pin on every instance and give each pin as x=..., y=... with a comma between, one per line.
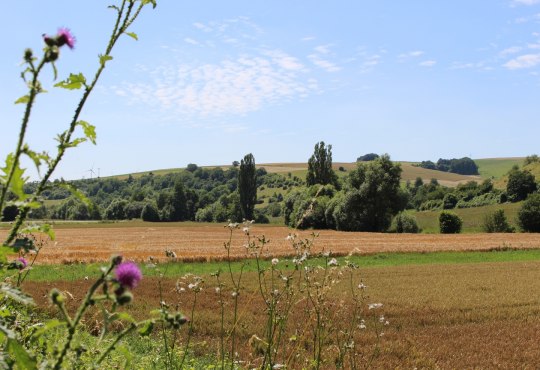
x=202, y=27
x=230, y=87
x=322, y=49
x=523, y=61
x=427, y=63
x=409, y=55
x=370, y=61
x=525, y=2
x=284, y=60
x=191, y=41
x=511, y=50
x=461, y=65
x=323, y=63
x=322, y=58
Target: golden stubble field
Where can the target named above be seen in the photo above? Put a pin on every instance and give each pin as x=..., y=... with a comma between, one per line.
x=455, y=316
x=192, y=242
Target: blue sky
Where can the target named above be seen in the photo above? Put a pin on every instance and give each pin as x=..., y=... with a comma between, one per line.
x=210, y=81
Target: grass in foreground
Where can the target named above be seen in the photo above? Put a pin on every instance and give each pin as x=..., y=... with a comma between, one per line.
x=45, y=273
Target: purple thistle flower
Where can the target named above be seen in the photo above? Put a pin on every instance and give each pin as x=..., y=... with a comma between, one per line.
x=128, y=274
x=22, y=263
x=65, y=37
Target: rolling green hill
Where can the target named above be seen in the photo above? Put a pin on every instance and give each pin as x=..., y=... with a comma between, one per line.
x=496, y=168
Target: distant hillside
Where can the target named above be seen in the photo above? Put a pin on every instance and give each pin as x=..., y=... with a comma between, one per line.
x=495, y=168
x=533, y=168
x=410, y=172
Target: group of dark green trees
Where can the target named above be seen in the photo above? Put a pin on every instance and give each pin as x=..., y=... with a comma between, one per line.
x=366, y=200
x=462, y=166
x=369, y=197
x=196, y=194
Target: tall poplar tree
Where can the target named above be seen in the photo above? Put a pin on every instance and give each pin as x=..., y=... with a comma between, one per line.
x=320, y=166
x=247, y=186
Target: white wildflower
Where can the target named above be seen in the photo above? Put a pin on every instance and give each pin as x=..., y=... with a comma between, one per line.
x=362, y=324
x=275, y=261
x=362, y=286
x=218, y=289
x=373, y=306
x=333, y=262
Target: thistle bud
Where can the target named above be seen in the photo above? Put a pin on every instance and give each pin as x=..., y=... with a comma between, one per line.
x=125, y=298
x=116, y=260
x=57, y=297
x=28, y=55
x=52, y=54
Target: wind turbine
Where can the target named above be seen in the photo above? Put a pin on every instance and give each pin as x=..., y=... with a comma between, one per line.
x=92, y=172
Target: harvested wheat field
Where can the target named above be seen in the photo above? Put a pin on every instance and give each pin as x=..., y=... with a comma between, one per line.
x=462, y=316
x=192, y=242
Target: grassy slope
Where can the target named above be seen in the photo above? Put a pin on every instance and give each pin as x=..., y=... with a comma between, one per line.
x=472, y=217
x=496, y=167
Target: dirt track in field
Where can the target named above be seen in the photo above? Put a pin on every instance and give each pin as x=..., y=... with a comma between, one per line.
x=205, y=242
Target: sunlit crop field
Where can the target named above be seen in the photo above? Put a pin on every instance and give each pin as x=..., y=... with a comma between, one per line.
x=451, y=316
x=192, y=242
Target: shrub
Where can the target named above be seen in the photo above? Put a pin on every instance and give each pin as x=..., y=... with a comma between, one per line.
x=260, y=217
x=520, y=184
x=431, y=205
x=449, y=223
x=116, y=210
x=449, y=201
x=496, y=222
x=480, y=200
x=405, y=223
x=150, y=213
x=529, y=214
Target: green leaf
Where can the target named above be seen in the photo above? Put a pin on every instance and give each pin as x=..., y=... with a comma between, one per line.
x=104, y=59
x=15, y=294
x=3, y=364
x=75, y=142
x=89, y=130
x=51, y=324
x=146, y=329
x=7, y=332
x=124, y=316
x=37, y=158
x=132, y=35
x=42, y=228
x=73, y=82
x=77, y=193
x=17, y=181
x=4, y=252
x=23, y=100
x=19, y=354
x=153, y=2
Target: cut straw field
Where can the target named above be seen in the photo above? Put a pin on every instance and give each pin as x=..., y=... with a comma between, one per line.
x=200, y=242
x=451, y=316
